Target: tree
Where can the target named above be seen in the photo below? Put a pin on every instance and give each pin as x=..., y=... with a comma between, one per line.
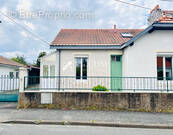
x=41, y=54
x=20, y=59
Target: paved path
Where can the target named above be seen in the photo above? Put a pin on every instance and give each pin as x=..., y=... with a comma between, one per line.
x=10, y=129
x=8, y=113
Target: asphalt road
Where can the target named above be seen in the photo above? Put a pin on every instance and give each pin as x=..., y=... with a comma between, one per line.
x=18, y=129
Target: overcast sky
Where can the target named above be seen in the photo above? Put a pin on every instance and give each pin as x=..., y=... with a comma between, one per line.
x=47, y=17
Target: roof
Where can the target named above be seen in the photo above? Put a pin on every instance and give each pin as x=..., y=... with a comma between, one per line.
x=165, y=18
x=9, y=62
x=92, y=37
x=159, y=15
x=67, y=38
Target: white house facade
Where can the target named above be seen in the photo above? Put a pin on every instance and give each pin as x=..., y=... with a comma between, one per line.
x=9, y=74
x=119, y=59
x=147, y=54
x=140, y=59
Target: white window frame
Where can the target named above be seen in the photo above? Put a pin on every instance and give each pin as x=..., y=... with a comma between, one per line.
x=164, y=63
x=81, y=70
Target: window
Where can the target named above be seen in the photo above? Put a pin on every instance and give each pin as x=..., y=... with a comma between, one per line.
x=81, y=68
x=164, y=68
x=116, y=58
x=52, y=70
x=45, y=70
x=84, y=68
x=168, y=68
x=160, y=68
x=11, y=74
x=126, y=34
x=17, y=74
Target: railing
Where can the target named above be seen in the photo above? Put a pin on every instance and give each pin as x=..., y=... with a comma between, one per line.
x=9, y=84
x=65, y=83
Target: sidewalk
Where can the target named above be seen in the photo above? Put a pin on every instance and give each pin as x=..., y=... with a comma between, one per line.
x=9, y=113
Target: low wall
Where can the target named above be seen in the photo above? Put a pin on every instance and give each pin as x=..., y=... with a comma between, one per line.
x=152, y=102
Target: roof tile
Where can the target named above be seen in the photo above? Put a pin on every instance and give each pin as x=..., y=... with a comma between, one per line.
x=92, y=36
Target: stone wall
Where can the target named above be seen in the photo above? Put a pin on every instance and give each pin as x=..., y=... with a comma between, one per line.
x=152, y=102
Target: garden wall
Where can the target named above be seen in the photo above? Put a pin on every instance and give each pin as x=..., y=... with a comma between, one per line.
x=152, y=102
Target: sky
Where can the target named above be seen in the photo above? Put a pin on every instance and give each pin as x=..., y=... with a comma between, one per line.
x=45, y=18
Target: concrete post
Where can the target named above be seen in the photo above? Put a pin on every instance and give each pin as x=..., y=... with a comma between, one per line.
x=22, y=73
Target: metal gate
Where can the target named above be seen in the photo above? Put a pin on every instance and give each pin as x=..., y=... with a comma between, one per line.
x=9, y=88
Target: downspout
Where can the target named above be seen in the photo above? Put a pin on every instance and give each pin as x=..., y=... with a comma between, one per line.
x=59, y=87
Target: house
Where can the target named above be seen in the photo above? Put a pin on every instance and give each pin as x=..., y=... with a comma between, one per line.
x=9, y=68
x=160, y=15
x=118, y=59
x=9, y=80
x=9, y=74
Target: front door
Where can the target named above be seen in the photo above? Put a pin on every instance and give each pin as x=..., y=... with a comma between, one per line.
x=116, y=72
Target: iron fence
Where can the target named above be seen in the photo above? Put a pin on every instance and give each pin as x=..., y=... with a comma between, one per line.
x=64, y=83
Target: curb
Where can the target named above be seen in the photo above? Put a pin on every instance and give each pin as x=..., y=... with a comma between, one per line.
x=75, y=123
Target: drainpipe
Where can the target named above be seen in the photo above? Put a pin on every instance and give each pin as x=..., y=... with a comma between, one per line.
x=59, y=70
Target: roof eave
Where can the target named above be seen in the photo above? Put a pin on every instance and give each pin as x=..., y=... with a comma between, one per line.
x=89, y=47
x=8, y=65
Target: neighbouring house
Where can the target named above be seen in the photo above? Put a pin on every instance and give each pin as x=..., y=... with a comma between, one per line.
x=9, y=78
x=9, y=74
x=9, y=68
x=160, y=15
x=115, y=58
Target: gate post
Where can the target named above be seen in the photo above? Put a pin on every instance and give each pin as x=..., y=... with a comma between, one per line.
x=22, y=73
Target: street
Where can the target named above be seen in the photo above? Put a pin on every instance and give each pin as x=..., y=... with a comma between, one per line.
x=21, y=129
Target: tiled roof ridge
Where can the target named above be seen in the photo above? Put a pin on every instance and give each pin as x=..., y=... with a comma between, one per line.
x=101, y=29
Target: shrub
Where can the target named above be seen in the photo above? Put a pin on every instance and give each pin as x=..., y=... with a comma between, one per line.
x=99, y=88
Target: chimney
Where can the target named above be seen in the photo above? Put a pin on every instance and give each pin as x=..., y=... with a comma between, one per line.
x=155, y=8
x=114, y=26
x=114, y=29
x=155, y=14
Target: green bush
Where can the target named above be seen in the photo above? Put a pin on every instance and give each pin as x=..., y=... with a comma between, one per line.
x=99, y=88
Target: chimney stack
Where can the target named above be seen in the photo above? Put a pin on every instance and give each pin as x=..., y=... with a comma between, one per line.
x=114, y=29
x=114, y=26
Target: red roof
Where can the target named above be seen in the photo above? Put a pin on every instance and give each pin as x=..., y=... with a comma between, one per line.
x=165, y=18
x=10, y=62
x=93, y=36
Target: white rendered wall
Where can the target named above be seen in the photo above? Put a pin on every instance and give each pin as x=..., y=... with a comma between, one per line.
x=140, y=60
x=4, y=71
x=50, y=59
x=99, y=65
x=99, y=62
x=5, y=82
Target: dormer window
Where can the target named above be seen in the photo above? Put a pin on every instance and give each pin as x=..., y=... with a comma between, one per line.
x=126, y=35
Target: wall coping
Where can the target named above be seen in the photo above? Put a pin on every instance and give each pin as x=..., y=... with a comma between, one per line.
x=82, y=91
